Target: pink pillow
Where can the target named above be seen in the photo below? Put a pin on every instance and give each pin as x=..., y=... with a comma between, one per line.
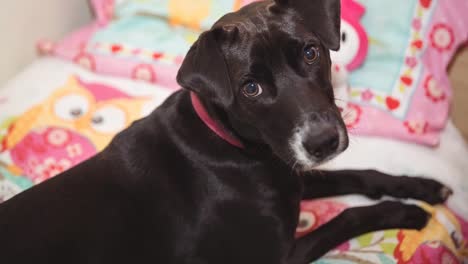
x=402, y=89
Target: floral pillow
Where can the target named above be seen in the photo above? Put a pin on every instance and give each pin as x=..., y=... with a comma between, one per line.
x=402, y=90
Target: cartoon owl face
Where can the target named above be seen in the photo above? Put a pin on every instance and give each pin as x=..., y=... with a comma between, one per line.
x=70, y=126
x=98, y=112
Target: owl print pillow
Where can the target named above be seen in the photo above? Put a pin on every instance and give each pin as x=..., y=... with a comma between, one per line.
x=74, y=122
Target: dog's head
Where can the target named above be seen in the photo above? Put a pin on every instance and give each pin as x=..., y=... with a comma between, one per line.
x=267, y=67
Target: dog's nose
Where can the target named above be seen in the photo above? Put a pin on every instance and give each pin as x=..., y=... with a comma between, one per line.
x=323, y=142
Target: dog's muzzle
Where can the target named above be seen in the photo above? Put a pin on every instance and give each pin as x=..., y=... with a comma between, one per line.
x=318, y=139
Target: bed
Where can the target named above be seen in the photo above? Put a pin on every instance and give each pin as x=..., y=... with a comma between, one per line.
x=56, y=113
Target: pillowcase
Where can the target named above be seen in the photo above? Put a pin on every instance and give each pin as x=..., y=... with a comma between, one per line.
x=143, y=40
x=200, y=14
x=402, y=89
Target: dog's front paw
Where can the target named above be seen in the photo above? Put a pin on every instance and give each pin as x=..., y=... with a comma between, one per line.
x=403, y=216
x=431, y=191
x=416, y=217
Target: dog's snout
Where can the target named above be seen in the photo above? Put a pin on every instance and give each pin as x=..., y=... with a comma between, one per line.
x=322, y=142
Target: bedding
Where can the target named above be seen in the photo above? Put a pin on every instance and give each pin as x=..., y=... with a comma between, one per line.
x=402, y=89
x=199, y=16
x=144, y=40
x=65, y=118
x=55, y=114
x=398, y=84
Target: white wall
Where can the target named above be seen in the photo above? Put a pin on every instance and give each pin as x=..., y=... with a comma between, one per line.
x=23, y=22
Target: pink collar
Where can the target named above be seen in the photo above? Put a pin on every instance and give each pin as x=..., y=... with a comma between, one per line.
x=211, y=123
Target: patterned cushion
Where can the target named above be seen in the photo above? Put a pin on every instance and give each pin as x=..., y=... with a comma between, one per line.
x=402, y=88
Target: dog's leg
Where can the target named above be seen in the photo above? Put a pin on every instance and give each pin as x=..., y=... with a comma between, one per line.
x=373, y=184
x=354, y=222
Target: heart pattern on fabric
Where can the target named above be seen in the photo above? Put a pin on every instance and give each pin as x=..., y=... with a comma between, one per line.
x=392, y=103
x=157, y=55
x=426, y=3
x=408, y=81
x=417, y=44
x=116, y=48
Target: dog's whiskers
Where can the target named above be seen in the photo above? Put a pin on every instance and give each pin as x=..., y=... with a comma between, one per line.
x=341, y=100
x=294, y=166
x=292, y=160
x=346, y=114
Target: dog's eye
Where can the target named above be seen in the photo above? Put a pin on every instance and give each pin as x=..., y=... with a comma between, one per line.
x=252, y=89
x=311, y=54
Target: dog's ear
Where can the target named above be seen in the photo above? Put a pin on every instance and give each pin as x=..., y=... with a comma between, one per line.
x=321, y=16
x=204, y=70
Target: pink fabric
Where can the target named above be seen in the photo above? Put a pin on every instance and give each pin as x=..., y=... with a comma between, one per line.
x=73, y=49
x=429, y=106
x=103, y=92
x=73, y=44
x=43, y=153
x=212, y=124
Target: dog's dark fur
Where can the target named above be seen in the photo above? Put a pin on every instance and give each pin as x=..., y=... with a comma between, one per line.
x=168, y=190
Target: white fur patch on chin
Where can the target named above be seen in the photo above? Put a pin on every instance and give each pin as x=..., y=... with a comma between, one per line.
x=301, y=155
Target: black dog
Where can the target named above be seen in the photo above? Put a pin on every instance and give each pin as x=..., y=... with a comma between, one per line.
x=175, y=189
